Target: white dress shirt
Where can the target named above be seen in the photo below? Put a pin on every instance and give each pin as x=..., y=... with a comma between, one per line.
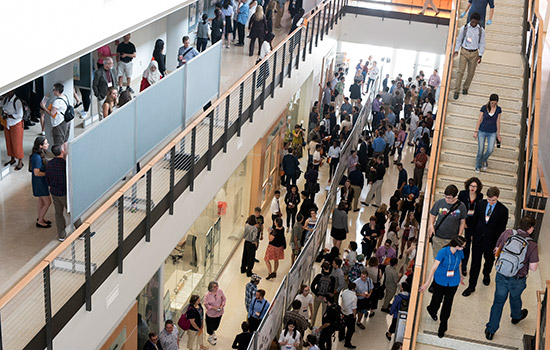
x=275, y=207
x=348, y=302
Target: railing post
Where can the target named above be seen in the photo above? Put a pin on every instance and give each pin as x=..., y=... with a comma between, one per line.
x=193, y=152
x=1, y=340
x=337, y=12
x=48, y=307
x=264, y=78
x=171, y=197
x=226, y=124
x=283, y=65
x=292, y=45
x=324, y=26
x=299, y=49
x=148, y=206
x=305, y=43
x=239, y=120
x=210, y=140
x=318, y=28
x=120, y=250
x=252, y=96
x=312, y=33
x=88, y=268
x=274, y=74
x=332, y=12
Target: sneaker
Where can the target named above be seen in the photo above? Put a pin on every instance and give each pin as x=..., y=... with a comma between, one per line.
x=477, y=170
x=484, y=167
x=129, y=89
x=83, y=115
x=214, y=336
x=211, y=340
x=61, y=239
x=42, y=133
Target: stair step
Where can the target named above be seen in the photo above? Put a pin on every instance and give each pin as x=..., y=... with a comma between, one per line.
x=470, y=146
x=491, y=78
x=493, y=36
x=502, y=27
x=463, y=106
x=467, y=131
x=479, y=99
x=496, y=70
x=460, y=157
x=479, y=88
x=503, y=46
x=498, y=177
x=468, y=122
x=459, y=343
x=507, y=198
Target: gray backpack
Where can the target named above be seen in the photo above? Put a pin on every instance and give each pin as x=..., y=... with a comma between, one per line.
x=512, y=256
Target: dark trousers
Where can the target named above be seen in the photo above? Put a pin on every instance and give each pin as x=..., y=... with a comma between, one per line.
x=254, y=323
x=417, y=177
x=249, y=254
x=481, y=248
x=445, y=295
x=333, y=165
x=273, y=217
x=201, y=44
x=291, y=216
x=371, y=81
x=346, y=332
x=407, y=207
x=387, y=156
x=468, y=235
x=251, y=46
x=368, y=248
x=86, y=99
x=393, y=325
x=212, y=324
x=325, y=338
x=240, y=30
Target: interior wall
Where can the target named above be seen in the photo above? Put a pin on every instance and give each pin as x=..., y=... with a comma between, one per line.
x=144, y=39
x=85, y=327
x=127, y=326
x=396, y=33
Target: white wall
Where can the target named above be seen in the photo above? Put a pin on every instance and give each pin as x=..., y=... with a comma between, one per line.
x=89, y=329
x=395, y=33
x=144, y=39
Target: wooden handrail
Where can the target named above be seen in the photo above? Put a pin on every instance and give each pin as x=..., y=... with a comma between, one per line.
x=23, y=282
x=413, y=317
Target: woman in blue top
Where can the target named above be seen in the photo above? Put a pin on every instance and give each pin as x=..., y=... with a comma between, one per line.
x=446, y=274
x=488, y=128
x=39, y=185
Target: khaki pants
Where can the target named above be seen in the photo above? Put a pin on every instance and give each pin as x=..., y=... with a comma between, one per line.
x=376, y=192
x=470, y=58
x=317, y=301
x=59, y=205
x=194, y=337
x=356, y=194
x=279, y=15
x=438, y=243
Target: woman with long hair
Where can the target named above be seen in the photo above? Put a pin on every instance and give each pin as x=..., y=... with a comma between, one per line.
x=258, y=30
x=298, y=140
x=340, y=228
x=40, y=189
x=217, y=27
x=276, y=248
x=446, y=274
x=410, y=230
x=290, y=337
x=269, y=13
x=110, y=101
x=470, y=195
x=487, y=128
x=227, y=13
x=159, y=56
x=381, y=218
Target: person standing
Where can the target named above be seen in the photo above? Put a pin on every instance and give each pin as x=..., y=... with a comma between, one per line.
x=370, y=233
x=487, y=128
x=391, y=279
x=334, y=158
x=251, y=241
x=12, y=115
x=471, y=43
x=153, y=342
x=104, y=78
x=376, y=184
x=111, y=102
x=513, y=281
x=276, y=207
x=291, y=168
x=276, y=248
x=242, y=19
x=57, y=110
x=40, y=190
x=434, y=82
x=250, y=290
x=195, y=315
x=340, y=228
x=214, y=302
x=300, y=321
x=409, y=195
x=490, y=219
x=470, y=196
x=306, y=299
x=397, y=306
x=480, y=7
x=402, y=178
x=446, y=274
x=420, y=161
x=330, y=323
x=186, y=52
x=323, y=285
x=150, y=76
x=348, y=304
x=449, y=217
x=338, y=274
x=357, y=181
x=425, y=7
x=364, y=292
x=292, y=199
x=217, y=26
x=126, y=52
x=227, y=12
x=257, y=30
x=296, y=237
x=290, y=337
x=373, y=74
x=242, y=340
x=385, y=253
x=159, y=56
x=168, y=337
x=257, y=310
x=56, y=177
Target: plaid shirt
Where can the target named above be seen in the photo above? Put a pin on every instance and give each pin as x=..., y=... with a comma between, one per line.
x=301, y=323
x=56, y=176
x=249, y=294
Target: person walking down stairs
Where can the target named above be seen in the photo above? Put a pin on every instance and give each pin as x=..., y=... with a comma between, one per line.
x=471, y=44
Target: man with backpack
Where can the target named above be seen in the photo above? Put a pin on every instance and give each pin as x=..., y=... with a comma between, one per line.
x=332, y=320
x=57, y=111
x=517, y=254
x=471, y=43
x=489, y=221
x=323, y=284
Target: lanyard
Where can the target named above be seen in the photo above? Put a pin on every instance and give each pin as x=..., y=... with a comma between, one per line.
x=456, y=260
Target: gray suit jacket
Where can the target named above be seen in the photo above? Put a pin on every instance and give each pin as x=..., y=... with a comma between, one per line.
x=100, y=83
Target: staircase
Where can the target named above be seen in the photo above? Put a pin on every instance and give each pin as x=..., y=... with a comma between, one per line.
x=501, y=72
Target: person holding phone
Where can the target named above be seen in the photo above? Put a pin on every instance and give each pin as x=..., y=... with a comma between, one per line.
x=214, y=302
x=487, y=128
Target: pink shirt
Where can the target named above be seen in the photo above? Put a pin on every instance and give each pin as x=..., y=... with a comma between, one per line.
x=213, y=302
x=105, y=50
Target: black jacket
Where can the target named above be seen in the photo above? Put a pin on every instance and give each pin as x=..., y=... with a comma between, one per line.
x=489, y=232
x=464, y=197
x=150, y=346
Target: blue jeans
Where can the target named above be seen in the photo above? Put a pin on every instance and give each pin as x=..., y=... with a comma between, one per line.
x=482, y=153
x=504, y=286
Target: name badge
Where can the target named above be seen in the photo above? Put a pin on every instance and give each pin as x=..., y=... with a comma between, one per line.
x=470, y=212
x=487, y=218
x=257, y=313
x=469, y=39
x=450, y=273
x=110, y=84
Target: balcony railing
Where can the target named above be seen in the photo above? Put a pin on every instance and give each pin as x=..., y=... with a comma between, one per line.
x=49, y=296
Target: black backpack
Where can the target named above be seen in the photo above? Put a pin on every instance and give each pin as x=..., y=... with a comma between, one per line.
x=69, y=112
x=26, y=108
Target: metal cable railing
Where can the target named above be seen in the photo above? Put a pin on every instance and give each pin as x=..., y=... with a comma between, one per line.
x=49, y=296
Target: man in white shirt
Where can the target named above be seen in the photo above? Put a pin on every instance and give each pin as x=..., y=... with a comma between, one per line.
x=276, y=207
x=471, y=43
x=306, y=298
x=373, y=74
x=348, y=303
x=56, y=110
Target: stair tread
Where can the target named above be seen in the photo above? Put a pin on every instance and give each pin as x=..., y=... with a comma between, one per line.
x=474, y=142
x=458, y=181
x=472, y=129
x=468, y=154
x=489, y=171
x=469, y=103
x=474, y=117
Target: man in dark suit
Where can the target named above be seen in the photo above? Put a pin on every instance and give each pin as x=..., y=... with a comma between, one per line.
x=153, y=342
x=490, y=219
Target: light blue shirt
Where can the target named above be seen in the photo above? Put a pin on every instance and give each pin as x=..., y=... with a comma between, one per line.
x=490, y=206
x=258, y=308
x=378, y=145
x=469, y=38
x=448, y=262
x=242, y=16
